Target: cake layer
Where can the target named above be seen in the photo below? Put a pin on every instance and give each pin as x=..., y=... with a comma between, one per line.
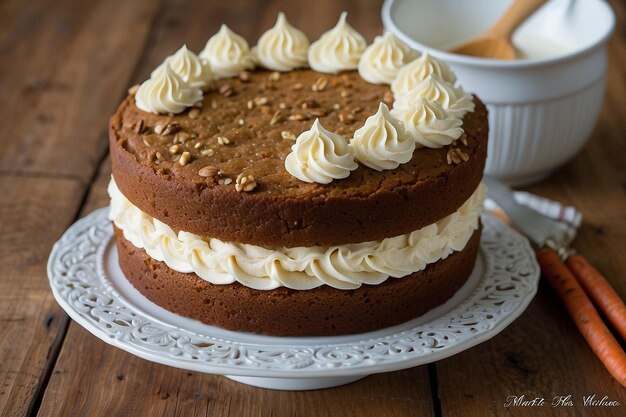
x=343, y=267
x=321, y=311
x=254, y=115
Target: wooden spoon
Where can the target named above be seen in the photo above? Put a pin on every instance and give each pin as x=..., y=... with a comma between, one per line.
x=496, y=41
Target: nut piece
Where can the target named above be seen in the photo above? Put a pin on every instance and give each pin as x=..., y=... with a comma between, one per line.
x=184, y=158
x=277, y=118
x=245, y=183
x=274, y=76
x=261, y=101
x=244, y=76
x=208, y=171
x=165, y=128
x=174, y=149
x=225, y=181
x=207, y=152
x=388, y=98
x=346, y=118
x=194, y=113
x=456, y=156
x=226, y=90
x=133, y=89
x=223, y=140
x=320, y=84
x=297, y=87
x=288, y=135
x=463, y=139
x=297, y=117
x=181, y=137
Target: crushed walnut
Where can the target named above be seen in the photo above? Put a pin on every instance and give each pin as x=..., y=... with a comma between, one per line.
x=245, y=183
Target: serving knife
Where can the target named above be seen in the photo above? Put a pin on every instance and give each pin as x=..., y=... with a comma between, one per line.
x=568, y=273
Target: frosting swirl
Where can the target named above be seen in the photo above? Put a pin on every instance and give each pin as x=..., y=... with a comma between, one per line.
x=430, y=124
x=454, y=100
x=381, y=61
x=166, y=92
x=283, y=47
x=418, y=70
x=320, y=156
x=191, y=69
x=228, y=53
x=338, y=49
x=342, y=267
x=382, y=142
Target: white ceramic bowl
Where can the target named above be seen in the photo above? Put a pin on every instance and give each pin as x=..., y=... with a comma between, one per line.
x=541, y=110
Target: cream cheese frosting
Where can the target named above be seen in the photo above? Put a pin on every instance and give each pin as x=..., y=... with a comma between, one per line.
x=429, y=124
x=166, y=92
x=321, y=156
x=337, y=50
x=191, y=68
x=418, y=70
x=301, y=268
x=382, y=142
x=453, y=99
x=283, y=47
x=228, y=53
x=381, y=61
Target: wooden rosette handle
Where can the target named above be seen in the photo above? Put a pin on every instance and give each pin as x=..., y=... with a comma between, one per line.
x=584, y=314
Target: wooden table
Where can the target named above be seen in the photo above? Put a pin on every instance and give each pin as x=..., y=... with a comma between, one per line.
x=66, y=65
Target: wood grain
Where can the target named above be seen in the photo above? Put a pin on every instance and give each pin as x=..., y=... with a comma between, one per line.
x=72, y=62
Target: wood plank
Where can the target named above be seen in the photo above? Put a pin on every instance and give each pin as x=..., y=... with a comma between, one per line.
x=34, y=213
x=66, y=101
x=542, y=353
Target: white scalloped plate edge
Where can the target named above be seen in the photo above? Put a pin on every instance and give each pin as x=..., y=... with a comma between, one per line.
x=81, y=285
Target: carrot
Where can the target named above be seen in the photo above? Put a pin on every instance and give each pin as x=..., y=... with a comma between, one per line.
x=583, y=313
x=600, y=291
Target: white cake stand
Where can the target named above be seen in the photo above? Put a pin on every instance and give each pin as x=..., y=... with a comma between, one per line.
x=89, y=285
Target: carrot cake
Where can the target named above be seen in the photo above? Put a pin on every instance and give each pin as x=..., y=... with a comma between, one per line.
x=298, y=188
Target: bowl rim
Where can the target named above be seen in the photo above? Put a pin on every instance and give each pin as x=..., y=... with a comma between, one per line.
x=391, y=26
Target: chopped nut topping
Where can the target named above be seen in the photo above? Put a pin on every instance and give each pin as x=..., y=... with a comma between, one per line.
x=244, y=76
x=245, y=183
x=159, y=128
x=388, y=98
x=172, y=127
x=159, y=156
x=261, y=101
x=463, y=139
x=357, y=110
x=207, y=152
x=174, y=149
x=317, y=113
x=297, y=86
x=346, y=118
x=250, y=104
x=208, y=171
x=274, y=76
x=282, y=106
x=222, y=140
x=147, y=140
x=226, y=90
x=225, y=181
x=455, y=156
x=297, y=117
x=288, y=135
x=181, y=137
x=336, y=106
x=184, y=158
x=133, y=89
x=344, y=93
x=194, y=113
x=198, y=145
x=241, y=122
x=139, y=126
x=277, y=118
x=320, y=84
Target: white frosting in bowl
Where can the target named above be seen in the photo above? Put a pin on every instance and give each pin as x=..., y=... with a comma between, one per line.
x=342, y=267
